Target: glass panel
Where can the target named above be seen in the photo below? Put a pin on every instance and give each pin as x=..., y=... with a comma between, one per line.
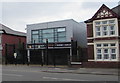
x=44, y=40
x=97, y=23
x=62, y=39
x=48, y=35
x=98, y=50
x=98, y=33
x=97, y=28
x=111, y=21
x=113, y=44
x=105, y=45
x=34, y=36
x=112, y=28
x=104, y=28
x=61, y=29
x=61, y=34
x=113, y=50
x=48, y=31
x=34, y=32
x=106, y=56
x=105, y=50
x=105, y=33
x=112, y=32
x=113, y=56
x=104, y=22
x=36, y=41
x=98, y=45
x=51, y=40
x=99, y=56
x=40, y=40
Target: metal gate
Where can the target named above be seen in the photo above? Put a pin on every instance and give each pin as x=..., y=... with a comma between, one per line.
x=9, y=52
x=11, y=49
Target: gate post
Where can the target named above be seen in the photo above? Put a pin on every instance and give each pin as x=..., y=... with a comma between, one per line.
x=42, y=58
x=28, y=57
x=46, y=51
x=54, y=57
x=71, y=53
x=15, y=58
x=23, y=55
x=5, y=54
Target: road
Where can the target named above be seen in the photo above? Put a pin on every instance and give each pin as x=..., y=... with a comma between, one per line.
x=30, y=73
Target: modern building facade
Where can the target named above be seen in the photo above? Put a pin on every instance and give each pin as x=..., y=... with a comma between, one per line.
x=58, y=35
x=10, y=37
x=103, y=35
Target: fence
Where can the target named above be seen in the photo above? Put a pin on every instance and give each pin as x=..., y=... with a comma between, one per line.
x=19, y=50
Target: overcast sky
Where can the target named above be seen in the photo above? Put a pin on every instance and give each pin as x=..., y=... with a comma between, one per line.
x=17, y=14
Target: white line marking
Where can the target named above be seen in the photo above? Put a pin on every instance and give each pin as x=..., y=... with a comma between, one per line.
x=21, y=70
x=63, y=79
x=67, y=79
x=12, y=75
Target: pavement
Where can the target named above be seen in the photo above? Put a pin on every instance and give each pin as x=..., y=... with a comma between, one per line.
x=51, y=73
x=97, y=71
x=66, y=69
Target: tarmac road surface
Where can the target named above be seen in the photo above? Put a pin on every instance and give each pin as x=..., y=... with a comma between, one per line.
x=28, y=73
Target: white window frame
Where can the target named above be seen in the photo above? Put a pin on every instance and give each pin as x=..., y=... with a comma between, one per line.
x=112, y=30
x=109, y=47
x=107, y=31
x=98, y=31
x=108, y=24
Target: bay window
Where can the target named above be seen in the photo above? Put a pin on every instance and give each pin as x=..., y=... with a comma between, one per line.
x=105, y=27
x=106, y=51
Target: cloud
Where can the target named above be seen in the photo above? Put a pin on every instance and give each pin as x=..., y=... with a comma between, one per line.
x=0, y=12
x=17, y=14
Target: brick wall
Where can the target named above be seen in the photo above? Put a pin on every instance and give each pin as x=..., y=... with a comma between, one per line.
x=90, y=40
x=11, y=39
x=119, y=49
x=89, y=30
x=107, y=38
x=101, y=64
x=90, y=52
x=119, y=27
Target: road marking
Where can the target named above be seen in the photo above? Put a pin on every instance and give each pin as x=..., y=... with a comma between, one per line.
x=63, y=79
x=21, y=70
x=68, y=79
x=13, y=75
x=73, y=79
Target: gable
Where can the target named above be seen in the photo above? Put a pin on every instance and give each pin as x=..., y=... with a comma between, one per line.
x=103, y=13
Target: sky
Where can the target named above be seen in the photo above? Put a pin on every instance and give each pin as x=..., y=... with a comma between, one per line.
x=16, y=15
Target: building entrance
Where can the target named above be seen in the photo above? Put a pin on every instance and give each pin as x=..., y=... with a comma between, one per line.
x=53, y=57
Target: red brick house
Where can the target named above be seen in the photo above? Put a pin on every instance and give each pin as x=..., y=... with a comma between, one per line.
x=9, y=36
x=103, y=35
